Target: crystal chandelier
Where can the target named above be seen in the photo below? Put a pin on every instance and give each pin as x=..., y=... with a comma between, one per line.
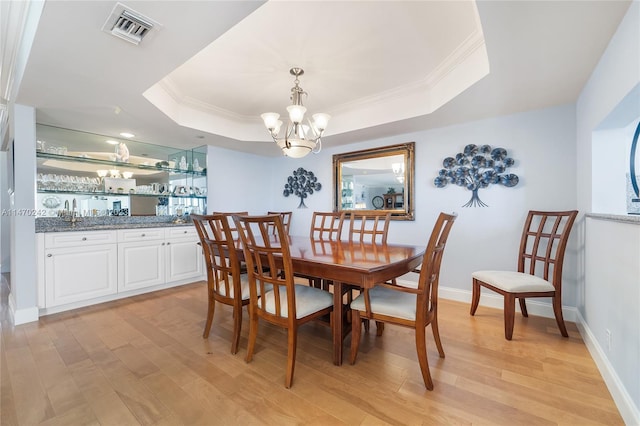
x=298, y=139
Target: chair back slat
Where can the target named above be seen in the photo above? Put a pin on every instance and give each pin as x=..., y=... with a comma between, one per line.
x=327, y=225
x=428, y=281
x=222, y=263
x=543, y=244
x=286, y=221
x=269, y=264
x=232, y=225
x=369, y=226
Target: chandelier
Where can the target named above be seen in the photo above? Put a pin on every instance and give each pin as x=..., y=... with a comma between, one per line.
x=298, y=139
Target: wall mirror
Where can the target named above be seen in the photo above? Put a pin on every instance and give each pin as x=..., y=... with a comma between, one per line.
x=375, y=179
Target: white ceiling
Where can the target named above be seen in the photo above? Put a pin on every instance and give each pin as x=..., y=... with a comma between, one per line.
x=379, y=68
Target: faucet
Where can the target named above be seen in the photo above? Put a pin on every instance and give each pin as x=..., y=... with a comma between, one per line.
x=73, y=215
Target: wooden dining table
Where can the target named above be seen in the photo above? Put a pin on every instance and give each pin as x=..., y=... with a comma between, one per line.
x=349, y=263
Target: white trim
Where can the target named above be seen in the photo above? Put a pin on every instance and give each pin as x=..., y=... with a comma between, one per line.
x=628, y=410
x=22, y=316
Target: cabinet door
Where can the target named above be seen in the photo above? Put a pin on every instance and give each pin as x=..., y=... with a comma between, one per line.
x=80, y=273
x=184, y=260
x=141, y=264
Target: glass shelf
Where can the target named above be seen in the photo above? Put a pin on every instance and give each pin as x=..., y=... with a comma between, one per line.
x=110, y=163
x=120, y=194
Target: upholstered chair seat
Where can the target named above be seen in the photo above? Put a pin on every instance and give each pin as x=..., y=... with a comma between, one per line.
x=308, y=301
x=514, y=282
x=385, y=301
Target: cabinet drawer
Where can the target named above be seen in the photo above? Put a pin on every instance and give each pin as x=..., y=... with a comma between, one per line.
x=141, y=234
x=182, y=232
x=76, y=239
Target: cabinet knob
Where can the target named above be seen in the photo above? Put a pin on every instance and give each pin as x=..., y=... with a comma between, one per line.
x=162, y=243
x=168, y=244
x=143, y=235
x=185, y=232
x=84, y=238
x=49, y=255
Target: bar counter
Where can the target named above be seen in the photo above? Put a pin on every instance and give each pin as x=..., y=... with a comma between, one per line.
x=55, y=224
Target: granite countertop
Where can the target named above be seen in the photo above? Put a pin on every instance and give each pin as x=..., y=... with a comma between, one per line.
x=615, y=217
x=106, y=223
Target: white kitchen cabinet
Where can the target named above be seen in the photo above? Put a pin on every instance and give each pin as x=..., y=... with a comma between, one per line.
x=82, y=268
x=184, y=259
x=141, y=264
x=155, y=256
x=79, y=266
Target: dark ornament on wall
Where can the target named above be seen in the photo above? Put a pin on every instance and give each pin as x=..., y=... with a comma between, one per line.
x=475, y=168
x=301, y=184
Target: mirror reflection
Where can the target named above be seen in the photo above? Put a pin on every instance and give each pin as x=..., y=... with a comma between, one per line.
x=376, y=179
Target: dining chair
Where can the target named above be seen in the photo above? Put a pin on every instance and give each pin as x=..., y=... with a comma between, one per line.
x=286, y=221
x=410, y=307
x=540, y=259
x=225, y=282
x=327, y=225
x=369, y=226
x=270, y=271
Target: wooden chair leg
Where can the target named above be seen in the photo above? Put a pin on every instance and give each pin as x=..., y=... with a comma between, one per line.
x=366, y=323
x=557, y=310
x=291, y=356
x=210, y=311
x=436, y=336
x=475, y=298
x=523, y=307
x=379, y=328
x=509, y=315
x=237, y=327
x=356, y=329
x=253, y=334
x=421, y=349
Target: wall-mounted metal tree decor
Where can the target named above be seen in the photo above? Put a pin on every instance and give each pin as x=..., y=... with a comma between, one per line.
x=301, y=184
x=475, y=168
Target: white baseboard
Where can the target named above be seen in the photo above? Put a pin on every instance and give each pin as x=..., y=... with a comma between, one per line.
x=22, y=316
x=534, y=307
x=628, y=410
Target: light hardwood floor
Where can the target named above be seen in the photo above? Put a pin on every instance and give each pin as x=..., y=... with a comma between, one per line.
x=143, y=361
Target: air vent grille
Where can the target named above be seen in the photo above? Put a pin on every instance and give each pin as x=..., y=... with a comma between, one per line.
x=128, y=25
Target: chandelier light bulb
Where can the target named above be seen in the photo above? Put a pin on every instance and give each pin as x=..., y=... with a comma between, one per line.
x=270, y=120
x=296, y=113
x=320, y=121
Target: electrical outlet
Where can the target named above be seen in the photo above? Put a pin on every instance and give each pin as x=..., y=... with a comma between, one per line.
x=608, y=332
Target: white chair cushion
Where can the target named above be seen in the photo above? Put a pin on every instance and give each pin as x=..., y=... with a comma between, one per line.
x=407, y=283
x=308, y=301
x=514, y=282
x=244, y=285
x=386, y=301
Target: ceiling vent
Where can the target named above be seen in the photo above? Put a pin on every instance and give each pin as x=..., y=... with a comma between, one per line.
x=128, y=24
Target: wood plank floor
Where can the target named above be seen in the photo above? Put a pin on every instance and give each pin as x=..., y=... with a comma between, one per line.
x=143, y=361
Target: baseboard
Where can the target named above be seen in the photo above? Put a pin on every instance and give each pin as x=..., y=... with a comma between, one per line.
x=22, y=316
x=534, y=307
x=628, y=410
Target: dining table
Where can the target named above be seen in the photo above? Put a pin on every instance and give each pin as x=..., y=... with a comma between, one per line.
x=349, y=263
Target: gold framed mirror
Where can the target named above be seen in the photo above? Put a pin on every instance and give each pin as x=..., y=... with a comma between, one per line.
x=378, y=179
